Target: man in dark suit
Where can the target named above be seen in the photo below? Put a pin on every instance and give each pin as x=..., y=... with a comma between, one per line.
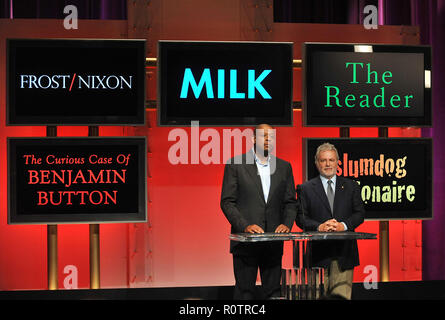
x=258, y=195
x=330, y=203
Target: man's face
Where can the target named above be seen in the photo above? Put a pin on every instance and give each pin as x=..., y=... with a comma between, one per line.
x=265, y=140
x=327, y=163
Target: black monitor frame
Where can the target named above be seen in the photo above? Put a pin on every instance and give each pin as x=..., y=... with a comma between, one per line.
x=78, y=218
x=427, y=214
x=104, y=120
x=164, y=120
x=308, y=48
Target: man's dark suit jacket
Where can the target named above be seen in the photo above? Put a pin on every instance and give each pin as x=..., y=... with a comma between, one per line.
x=242, y=197
x=348, y=208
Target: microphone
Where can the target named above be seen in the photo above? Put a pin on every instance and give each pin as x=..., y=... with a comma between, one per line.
x=302, y=205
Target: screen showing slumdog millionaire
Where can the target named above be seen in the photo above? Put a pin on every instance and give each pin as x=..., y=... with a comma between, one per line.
x=395, y=175
x=224, y=83
x=366, y=85
x=76, y=180
x=75, y=82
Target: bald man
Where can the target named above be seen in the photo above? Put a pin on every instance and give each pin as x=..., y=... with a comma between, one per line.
x=258, y=195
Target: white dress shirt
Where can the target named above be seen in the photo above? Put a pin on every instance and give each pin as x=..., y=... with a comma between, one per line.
x=264, y=172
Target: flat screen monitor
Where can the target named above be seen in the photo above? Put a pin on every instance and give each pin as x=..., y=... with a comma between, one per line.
x=75, y=82
x=76, y=180
x=366, y=85
x=224, y=83
x=395, y=175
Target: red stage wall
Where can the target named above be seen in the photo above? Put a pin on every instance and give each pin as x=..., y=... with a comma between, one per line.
x=185, y=242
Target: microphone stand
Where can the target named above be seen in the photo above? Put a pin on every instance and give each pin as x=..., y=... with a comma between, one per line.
x=302, y=206
x=306, y=290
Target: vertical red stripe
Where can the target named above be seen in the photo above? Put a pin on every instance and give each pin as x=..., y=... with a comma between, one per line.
x=72, y=81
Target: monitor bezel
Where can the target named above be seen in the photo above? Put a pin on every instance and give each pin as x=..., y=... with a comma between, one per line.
x=309, y=48
x=81, y=218
x=137, y=120
x=164, y=121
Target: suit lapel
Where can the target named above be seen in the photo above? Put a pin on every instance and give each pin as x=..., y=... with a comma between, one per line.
x=273, y=177
x=319, y=191
x=252, y=169
x=339, y=194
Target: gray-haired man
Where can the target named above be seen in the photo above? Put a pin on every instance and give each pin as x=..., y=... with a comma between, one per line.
x=331, y=203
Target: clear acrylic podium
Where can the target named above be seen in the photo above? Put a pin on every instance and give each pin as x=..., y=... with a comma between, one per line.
x=302, y=282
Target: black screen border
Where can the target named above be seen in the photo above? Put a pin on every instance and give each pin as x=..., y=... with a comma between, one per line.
x=309, y=48
x=137, y=120
x=63, y=218
x=165, y=121
x=426, y=214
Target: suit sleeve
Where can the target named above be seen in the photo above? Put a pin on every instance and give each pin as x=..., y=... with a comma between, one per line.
x=358, y=210
x=303, y=220
x=289, y=201
x=229, y=196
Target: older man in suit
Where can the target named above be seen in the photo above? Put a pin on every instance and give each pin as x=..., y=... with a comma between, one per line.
x=330, y=203
x=258, y=195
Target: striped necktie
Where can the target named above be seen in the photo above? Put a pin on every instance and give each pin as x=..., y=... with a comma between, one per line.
x=330, y=195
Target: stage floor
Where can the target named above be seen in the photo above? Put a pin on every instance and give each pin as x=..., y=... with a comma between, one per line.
x=406, y=290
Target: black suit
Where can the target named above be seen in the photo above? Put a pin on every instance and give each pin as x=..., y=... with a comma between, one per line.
x=348, y=208
x=242, y=201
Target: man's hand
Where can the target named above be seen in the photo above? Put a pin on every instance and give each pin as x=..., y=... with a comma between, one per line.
x=282, y=229
x=340, y=227
x=331, y=226
x=253, y=228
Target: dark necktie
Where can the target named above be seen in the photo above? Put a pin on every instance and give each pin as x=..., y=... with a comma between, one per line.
x=330, y=195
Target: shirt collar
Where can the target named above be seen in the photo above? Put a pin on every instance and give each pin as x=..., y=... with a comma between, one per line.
x=258, y=160
x=325, y=180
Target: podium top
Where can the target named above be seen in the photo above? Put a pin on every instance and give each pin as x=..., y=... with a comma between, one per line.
x=312, y=236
